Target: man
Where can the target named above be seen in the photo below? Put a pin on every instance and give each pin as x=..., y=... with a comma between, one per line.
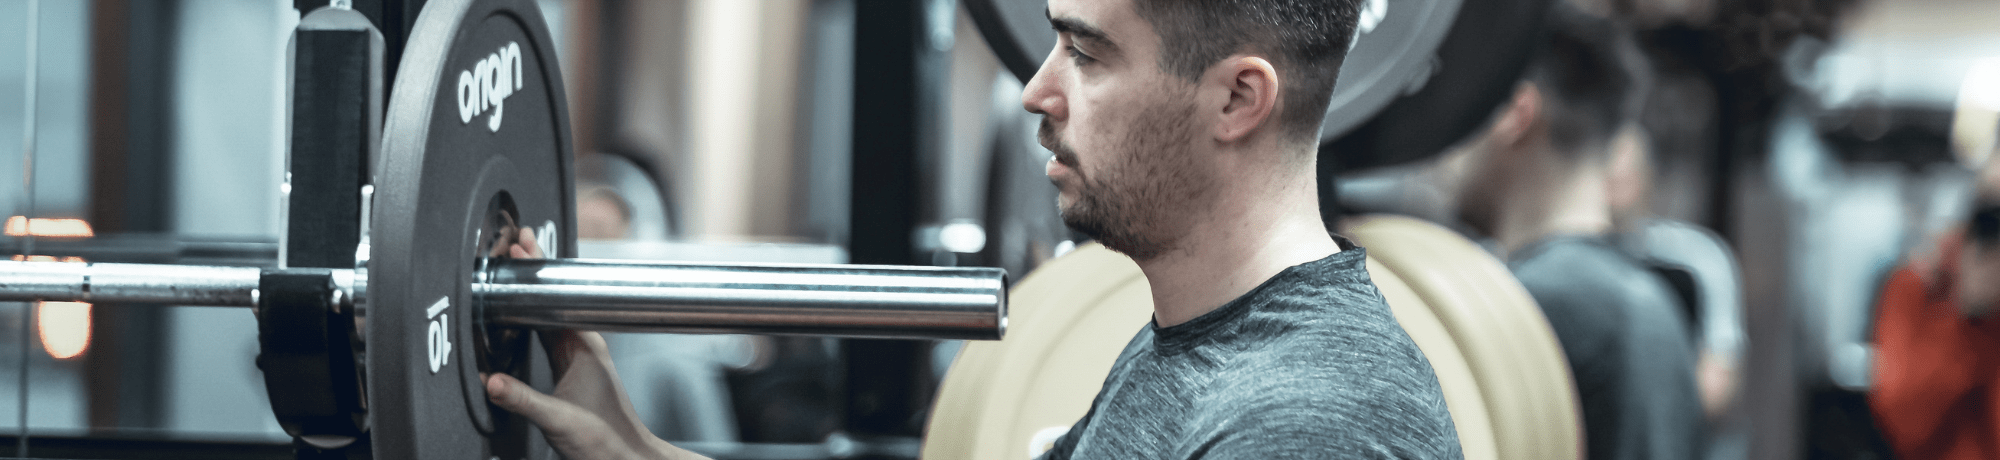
x=1936, y=393
x=1535, y=181
x=1655, y=162
x=1184, y=134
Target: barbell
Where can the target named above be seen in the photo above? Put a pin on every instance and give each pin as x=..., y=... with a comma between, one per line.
x=602, y=295
x=387, y=307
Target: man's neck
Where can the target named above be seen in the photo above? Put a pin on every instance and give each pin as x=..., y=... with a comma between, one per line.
x=1567, y=204
x=1247, y=240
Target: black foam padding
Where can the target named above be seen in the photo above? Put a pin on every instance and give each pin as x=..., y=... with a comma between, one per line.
x=307, y=353
x=330, y=144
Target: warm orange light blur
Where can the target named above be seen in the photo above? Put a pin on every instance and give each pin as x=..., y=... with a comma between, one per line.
x=65, y=328
x=70, y=259
x=41, y=226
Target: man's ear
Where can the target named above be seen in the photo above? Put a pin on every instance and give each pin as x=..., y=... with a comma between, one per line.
x=1515, y=121
x=1252, y=85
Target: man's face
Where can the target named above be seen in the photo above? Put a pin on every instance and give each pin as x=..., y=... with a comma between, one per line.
x=1127, y=165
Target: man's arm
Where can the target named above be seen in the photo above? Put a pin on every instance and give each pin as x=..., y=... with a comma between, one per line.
x=589, y=416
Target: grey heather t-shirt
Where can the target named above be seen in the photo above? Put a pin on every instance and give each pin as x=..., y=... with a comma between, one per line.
x=1627, y=344
x=1308, y=365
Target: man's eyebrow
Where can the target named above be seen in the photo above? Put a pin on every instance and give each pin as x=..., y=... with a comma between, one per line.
x=1079, y=29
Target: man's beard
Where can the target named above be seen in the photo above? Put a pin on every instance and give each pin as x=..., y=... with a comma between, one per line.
x=1141, y=202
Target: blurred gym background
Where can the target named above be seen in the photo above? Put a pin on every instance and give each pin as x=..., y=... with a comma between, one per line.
x=1822, y=139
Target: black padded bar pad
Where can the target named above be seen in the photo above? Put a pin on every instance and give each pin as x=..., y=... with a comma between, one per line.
x=335, y=119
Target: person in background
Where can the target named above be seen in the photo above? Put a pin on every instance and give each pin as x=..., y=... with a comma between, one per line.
x=1657, y=160
x=1936, y=391
x=1701, y=269
x=1536, y=182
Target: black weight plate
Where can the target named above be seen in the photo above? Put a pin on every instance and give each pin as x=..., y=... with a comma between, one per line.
x=452, y=142
x=1017, y=30
x=1477, y=67
x=1392, y=55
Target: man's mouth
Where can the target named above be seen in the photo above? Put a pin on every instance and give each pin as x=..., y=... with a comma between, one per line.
x=1065, y=157
x=1047, y=136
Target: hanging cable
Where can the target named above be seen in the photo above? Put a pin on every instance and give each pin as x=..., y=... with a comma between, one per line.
x=28, y=241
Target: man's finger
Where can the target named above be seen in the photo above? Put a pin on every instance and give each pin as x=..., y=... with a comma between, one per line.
x=553, y=415
x=570, y=429
x=527, y=241
x=558, y=344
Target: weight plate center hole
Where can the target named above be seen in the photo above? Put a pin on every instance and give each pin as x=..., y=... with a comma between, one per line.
x=499, y=349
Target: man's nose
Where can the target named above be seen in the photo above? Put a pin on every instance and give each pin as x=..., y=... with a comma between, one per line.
x=1043, y=94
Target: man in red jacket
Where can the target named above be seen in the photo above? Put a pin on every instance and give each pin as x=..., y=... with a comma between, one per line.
x=1937, y=362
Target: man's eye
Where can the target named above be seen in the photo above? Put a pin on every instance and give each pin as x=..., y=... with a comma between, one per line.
x=1078, y=55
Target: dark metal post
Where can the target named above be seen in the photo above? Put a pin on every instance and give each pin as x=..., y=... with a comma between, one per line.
x=899, y=85
x=131, y=81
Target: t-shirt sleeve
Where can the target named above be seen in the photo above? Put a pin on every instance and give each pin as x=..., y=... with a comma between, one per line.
x=1066, y=444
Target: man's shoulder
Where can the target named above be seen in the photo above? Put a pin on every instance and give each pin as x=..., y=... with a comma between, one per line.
x=1368, y=377
x=1338, y=303
x=1571, y=258
x=1567, y=271
x=1325, y=331
x=1617, y=320
x=1330, y=367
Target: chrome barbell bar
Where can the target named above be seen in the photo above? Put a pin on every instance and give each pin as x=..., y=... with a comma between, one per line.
x=605, y=295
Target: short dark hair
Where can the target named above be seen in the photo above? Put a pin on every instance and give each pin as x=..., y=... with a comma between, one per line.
x=1307, y=39
x=1591, y=77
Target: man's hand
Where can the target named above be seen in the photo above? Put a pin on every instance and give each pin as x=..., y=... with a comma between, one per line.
x=589, y=416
